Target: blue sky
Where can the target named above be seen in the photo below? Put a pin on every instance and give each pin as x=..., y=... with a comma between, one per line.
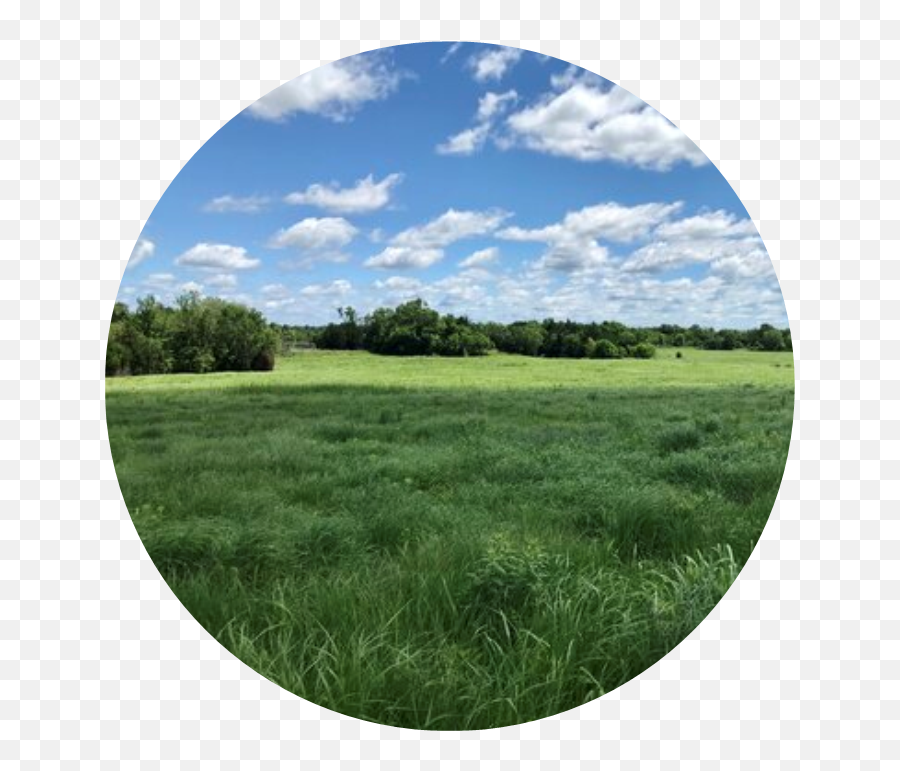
x=486, y=180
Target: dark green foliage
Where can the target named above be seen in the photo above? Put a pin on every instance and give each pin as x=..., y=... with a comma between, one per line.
x=198, y=335
x=643, y=351
x=606, y=349
x=414, y=329
x=772, y=340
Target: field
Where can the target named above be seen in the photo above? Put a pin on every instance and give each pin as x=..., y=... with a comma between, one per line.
x=454, y=543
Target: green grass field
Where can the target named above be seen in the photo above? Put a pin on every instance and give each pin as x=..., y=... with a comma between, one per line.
x=454, y=543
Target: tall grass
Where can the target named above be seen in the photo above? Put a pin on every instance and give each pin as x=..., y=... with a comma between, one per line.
x=493, y=550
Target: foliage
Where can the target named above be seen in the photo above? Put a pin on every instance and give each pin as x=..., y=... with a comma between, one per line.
x=198, y=335
x=414, y=329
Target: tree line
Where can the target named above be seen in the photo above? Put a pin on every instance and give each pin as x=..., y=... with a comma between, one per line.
x=213, y=335
x=197, y=335
x=414, y=329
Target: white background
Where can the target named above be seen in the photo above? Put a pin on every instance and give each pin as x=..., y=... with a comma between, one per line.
x=798, y=105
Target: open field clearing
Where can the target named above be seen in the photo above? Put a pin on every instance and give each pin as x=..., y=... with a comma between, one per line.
x=454, y=543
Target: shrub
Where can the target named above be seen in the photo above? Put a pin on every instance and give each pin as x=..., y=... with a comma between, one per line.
x=264, y=361
x=678, y=355
x=643, y=351
x=772, y=340
x=606, y=349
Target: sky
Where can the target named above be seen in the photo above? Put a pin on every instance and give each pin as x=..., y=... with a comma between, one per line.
x=488, y=181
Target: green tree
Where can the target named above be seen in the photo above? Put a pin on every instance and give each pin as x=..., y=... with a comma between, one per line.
x=606, y=349
x=772, y=340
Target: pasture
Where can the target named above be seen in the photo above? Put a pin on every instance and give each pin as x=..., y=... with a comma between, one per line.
x=454, y=543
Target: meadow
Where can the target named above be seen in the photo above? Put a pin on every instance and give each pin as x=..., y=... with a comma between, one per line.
x=454, y=543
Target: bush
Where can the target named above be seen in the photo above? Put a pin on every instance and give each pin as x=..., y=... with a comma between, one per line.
x=606, y=349
x=264, y=361
x=643, y=351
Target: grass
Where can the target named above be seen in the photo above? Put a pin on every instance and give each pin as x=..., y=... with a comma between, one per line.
x=454, y=544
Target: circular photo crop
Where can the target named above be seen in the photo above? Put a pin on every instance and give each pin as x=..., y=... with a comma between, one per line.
x=449, y=386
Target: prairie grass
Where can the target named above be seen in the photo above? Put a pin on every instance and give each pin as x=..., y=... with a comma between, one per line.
x=454, y=544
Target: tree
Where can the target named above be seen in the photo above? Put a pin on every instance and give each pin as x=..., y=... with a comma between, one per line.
x=643, y=351
x=772, y=340
x=198, y=335
x=606, y=349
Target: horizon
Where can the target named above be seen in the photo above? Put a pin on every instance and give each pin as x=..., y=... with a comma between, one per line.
x=491, y=182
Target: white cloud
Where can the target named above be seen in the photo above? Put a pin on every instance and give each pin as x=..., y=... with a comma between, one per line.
x=159, y=280
x=481, y=257
x=732, y=259
x=493, y=63
x=335, y=91
x=337, y=288
x=589, y=123
x=423, y=245
x=191, y=287
x=217, y=256
x=451, y=50
x=400, y=283
x=274, y=291
x=466, y=142
x=278, y=303
x=470, y=140
x=143, y=250
x=222, y=281
x=365, y=196
x=717, y=224
x=492, y=104
x=228, y=204
x=451, y=226
x=573, y=242
x=319, y=235
x=729, y=245
x=405, y=258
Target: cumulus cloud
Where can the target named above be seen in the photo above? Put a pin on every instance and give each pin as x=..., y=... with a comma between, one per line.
x=572, y=243
x=274, y=290
x=405, y=258
x=334, y=91
x=451, y=226
x=222, y=281
x=365, y=196
x=481, y=257
x=229, y=204
x=588, y=122
x=470, y=140
x=400, y=284
x=320, y=235
x=159, y=280
x=492, y=63
x=337, y=288
x=423, y=245
x=729, y=245
x=143, y=250
x=191, y=287
x=466, y=142
x=217, y=257
x=717, y=224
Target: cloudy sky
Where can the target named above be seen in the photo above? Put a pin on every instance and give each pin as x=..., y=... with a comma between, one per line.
x=486, y=180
